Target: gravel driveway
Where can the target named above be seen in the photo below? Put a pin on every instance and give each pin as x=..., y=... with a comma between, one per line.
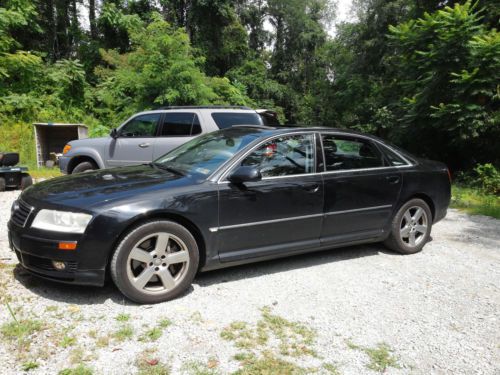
x=356, y=310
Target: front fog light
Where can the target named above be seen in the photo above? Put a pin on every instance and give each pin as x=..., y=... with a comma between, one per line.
x=58, y=265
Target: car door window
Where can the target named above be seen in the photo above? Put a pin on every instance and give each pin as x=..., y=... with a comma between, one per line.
x=141, y=126
x=343, y=153
x=180, y=125
x=284, y=156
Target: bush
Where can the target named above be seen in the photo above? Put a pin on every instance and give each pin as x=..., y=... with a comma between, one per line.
x=488, y=178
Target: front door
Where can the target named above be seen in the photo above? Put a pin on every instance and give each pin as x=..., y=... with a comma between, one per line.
x=135, y=142
x=360, y=189
x=282, y=212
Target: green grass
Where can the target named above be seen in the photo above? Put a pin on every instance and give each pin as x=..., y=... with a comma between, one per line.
x=20, y=330
x=67, y=341
x=269, y=364
x=78, y=370
x=475, y=202
x=123, y=317
x=164, y=323
x=380, y=356
x=124, y=333
x=29, y=365
x=152, y=334
x=43, y=172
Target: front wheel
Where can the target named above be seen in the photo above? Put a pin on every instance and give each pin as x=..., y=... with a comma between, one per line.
x=85, y=166
x=410, y=227
x=155, y=262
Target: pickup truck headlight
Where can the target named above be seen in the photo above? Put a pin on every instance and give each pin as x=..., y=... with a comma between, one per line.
x=61, y=221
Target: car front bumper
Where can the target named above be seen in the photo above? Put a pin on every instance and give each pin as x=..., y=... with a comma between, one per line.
x=36, y=255
x=63, y=164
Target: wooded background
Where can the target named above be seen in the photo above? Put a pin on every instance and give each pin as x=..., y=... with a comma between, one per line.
x=424, y=74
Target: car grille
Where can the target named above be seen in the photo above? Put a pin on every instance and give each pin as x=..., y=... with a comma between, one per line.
x=21, y=213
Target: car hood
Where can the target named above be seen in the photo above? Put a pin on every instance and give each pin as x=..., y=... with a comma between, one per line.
x=87, y=191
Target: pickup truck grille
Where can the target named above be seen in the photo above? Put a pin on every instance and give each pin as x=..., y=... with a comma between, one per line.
x=21, y=213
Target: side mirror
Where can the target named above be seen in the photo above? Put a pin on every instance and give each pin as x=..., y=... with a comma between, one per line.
x=114, y=133
x=244, y=174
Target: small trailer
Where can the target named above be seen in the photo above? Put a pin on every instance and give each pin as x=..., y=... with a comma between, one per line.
x=12, y=176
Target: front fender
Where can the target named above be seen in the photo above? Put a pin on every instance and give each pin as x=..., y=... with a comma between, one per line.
x=87, y=152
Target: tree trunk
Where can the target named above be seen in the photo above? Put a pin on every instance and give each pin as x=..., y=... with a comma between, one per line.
x=92, y=20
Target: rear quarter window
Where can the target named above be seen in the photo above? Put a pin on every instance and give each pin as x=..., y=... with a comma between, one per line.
x=227, y=119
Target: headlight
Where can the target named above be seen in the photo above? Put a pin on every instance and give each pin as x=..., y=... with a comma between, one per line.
x=61, y=221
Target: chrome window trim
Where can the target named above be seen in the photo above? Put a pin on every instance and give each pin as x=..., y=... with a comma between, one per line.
x=408, y=162
x=324, y=214
x=254, y=147
x=231, y=164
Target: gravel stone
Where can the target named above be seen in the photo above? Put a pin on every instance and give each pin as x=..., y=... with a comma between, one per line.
x=438, y=310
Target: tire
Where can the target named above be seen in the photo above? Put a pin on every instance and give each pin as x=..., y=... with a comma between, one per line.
x=26, y=181
x=410, y=227
x=140, y=266
x=2, y=184
x=84, y=166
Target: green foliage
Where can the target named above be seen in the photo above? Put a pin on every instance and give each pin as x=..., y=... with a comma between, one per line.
x=488, y=177
x=448, y=66
x=78, y=370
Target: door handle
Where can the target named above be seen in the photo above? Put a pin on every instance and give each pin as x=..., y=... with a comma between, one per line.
x=144, y=145
x=312, y=188
x=392, y=179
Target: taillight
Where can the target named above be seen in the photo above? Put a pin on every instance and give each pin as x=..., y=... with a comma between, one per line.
x=66, y=149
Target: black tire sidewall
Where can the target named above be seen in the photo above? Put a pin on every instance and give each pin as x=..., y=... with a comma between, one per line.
x=83, y=167
x=118, y=265
x=26, y=181
x=398, y=244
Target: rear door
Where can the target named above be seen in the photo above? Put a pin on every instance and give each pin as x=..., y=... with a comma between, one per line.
x=360, y=189
x=135, y=142
x=177, y=128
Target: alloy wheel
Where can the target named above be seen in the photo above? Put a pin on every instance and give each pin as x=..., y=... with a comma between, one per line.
x=157, y=263
x=414, y=225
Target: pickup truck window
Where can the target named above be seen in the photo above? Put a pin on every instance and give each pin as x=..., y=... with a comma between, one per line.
x=226, y=120
x=180, y=124
x=141, y=126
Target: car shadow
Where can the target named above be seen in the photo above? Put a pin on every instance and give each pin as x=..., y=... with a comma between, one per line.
x=88, y=295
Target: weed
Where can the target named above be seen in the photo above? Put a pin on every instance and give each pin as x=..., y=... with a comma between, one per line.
x=152, y=334
x=29, y=365
x=123, y=317
x=78, y=370
x=150, y=366
x=19, y=331
x=102, y=341
x=124, y=333
x=380, y=356
x=269, y=364
x=51, y=308
x=331, y=368
x=164, y=323
x=199, y=368
x=67, y=341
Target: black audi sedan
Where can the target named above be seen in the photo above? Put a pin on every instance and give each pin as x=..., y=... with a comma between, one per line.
x=239, y=195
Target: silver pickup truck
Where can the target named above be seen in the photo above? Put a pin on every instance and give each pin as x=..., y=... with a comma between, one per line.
x=147, y=135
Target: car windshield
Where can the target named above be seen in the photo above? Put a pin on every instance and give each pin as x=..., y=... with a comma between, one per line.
x=204, y=154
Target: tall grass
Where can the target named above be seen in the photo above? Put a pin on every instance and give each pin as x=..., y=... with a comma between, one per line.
x=475, y=201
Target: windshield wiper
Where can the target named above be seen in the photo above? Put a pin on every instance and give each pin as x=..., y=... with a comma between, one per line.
x=167, y=168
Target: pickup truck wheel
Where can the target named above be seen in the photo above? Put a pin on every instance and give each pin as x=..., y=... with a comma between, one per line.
x=26, y=181
x=155, y=262
x=410, y=227
x=85, y=166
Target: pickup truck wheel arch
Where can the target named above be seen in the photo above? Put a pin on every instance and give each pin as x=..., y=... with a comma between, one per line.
x=79, y=160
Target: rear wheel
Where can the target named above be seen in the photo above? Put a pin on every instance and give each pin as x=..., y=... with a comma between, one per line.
x=85, y=166
x=410, y=228
x=26, y=181
x=155, y=262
